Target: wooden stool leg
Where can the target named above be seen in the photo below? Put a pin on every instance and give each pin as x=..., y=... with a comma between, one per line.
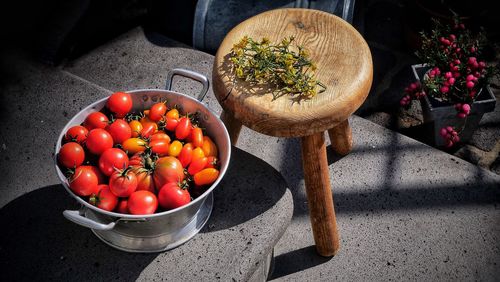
x=233, y=126
x=341, y=138
x=319, y=194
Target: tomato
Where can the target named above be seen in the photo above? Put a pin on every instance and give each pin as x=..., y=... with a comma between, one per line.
x=134, y=145
x=145, y=120
x=172, y=196
x=160, y=135
x=143, y=168
x=160, y=147
x=119, y=130
x=209, y=147
x=212, y=162
x=101, y=179
x=206, y=176
x=157, y=111
x=171, y=124
x=96, y=120
x=76, y=134
x=112, y=159
x=83, y=182
x=198, y=154
x=104, y=199
x=183, y=129
x=123, y=182
x=136, y=127
x=173, y=114
x=122, y=206
x=149, y=128
x=175, y=148
x=98, y=141
x=119, y=103
x=197, y=165
x=142, y=202
x=71, y=155
x=186, y=154
x=167, y=169
x=197, y=137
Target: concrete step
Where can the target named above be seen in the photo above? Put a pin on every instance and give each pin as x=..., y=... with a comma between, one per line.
x=405, y=210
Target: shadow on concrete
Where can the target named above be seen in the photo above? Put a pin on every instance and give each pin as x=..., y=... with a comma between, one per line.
x=249, y=188
x=296, y=261
x=39, y=244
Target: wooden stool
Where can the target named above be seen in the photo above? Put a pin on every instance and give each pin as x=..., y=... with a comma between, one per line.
x=344, y=65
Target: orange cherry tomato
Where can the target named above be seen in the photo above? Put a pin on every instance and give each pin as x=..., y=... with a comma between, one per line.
x=197, y=165
x=136, y=127
x=134, y=145
x=213, y=162
x=175, y=148
x=209, y=147
x=206, y=176
x=186, y=154
x=197, y=137
x=173, y=114
x=198, y=153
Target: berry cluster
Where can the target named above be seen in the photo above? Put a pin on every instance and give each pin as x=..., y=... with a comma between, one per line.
x=413, y=91
x=463, y=110
x=450, y=135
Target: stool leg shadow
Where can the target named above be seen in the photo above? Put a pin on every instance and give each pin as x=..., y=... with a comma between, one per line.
x=296, y=261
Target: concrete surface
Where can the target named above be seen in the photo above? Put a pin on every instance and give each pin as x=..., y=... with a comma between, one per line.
x=405, y=211
x=37, y=243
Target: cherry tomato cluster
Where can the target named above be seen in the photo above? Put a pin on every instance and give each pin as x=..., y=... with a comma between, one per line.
x=138, y=163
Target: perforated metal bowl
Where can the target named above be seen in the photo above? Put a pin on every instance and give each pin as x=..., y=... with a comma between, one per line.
x=165, y=230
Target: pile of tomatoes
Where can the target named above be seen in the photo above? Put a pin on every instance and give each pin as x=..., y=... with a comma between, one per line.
x=138, y=163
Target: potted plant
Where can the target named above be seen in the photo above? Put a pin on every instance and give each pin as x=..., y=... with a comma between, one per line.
x=452, y=85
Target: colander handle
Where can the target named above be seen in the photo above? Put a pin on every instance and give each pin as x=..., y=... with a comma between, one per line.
x=189, y=74
x=77, y=217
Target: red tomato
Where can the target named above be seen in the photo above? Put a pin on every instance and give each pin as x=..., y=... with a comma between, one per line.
x=112, y=159
x=122, y=206
x=197, y=165
x=83, y=182
x=167, y=169
x=123, y=182
x=142, y=202
x=186, y=154
x=119, y=130
x=160, y=147
x=209, y=147
x=183, y=129
x=134, y=145
x=76, y=134
x=149, y=128
x=212, y=162
x=172, y=196
x=101, y=179
x=96, y=120
x=157, y=111
x=206, y=176
x=160, y=135
x=175, y=148
x=173, y=114
x=119, y=104
x=197, y=137
x=104, y=199
x=136, y=127
x=171, y=124
x=71, y=155
x=98, y=141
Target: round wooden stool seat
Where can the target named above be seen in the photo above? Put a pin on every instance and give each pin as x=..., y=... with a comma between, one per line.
x=344, y=65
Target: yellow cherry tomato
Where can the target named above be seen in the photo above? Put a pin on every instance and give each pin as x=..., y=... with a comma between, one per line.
x=173, y=114
x=134, y=145
x=175, y=148
x=136, y=127
x=209, y=147
x=198, y=153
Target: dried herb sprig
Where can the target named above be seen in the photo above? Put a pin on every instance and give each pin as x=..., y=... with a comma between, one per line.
x=279, y=66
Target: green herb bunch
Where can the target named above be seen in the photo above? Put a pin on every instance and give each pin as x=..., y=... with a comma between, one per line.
x=280, y=66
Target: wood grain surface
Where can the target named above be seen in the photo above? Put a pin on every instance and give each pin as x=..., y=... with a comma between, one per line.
x=344, y=65
x=341, y=138
x=319, y=194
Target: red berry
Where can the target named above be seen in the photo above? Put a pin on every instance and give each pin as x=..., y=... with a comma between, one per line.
x=471, y=60
x=461, y=115
x=470, y=77
x=444, y=89
x=466, y=108
x=448, y=74
x=451, y=80
x=443, y=132
x=469, y=84
x=482, y=65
